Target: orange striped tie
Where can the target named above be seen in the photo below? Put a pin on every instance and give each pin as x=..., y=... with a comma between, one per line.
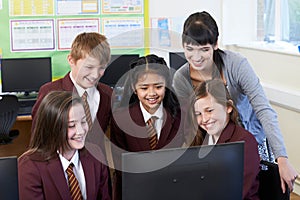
x=152, y=134
x=87, y=110
x=73, y=184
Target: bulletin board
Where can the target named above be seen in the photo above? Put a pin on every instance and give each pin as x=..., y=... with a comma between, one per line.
x=46, y=28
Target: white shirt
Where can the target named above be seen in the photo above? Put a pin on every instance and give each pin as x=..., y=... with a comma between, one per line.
x=211, y=140
x=158, y=122
x=77, y=169
x=93, y=97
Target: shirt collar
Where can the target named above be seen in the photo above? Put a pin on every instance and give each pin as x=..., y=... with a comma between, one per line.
x=147, y=115
x=80, y=90
x=66, y=163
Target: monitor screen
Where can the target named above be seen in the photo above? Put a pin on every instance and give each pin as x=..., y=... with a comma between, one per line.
x=118, y=66
x=25, y=75
x=9, y=178
x=211, y=172
x=177, y=59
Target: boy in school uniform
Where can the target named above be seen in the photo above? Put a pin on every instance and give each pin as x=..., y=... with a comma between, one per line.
x=88, y=59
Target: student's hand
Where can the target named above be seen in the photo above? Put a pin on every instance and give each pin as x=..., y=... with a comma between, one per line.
x=287, y=174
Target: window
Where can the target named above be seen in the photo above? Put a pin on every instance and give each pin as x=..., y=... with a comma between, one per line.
x=280, y=20
x=294, y=13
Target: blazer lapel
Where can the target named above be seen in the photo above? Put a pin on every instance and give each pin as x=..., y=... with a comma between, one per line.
x=67, y=83
x=142, y=139
x=58, y=178
x=227, y=133
x=225, y=136
x=89, y=174
x=166, y=129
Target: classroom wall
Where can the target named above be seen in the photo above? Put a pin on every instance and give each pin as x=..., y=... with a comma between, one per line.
x=279, y=74
x=176, y=16
x=224, y=12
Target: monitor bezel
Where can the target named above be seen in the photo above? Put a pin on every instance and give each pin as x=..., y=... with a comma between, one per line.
x=24, y=90
x=176, y=59
x=9, y=177
x=220, y=174
x=114, y=72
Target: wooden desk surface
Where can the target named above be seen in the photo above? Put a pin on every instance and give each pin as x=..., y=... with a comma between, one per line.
x=24, y=118
x=20, y=143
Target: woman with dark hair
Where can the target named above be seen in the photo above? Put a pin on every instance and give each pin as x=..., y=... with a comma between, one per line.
x=56, y=149
x=206, y=61
x=148, y=104
x=215, y=120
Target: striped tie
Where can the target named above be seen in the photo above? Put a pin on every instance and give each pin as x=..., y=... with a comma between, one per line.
x=73, y=184
x=87, y=110
x=152, y=132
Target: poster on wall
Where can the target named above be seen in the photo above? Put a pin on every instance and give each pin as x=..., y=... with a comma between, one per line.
x=122, y=6
x=47, y=28
x=77, y=7
x=32, y=35
x=31, y=8
x=166, y=32
x=68, y=29
x=124, y=32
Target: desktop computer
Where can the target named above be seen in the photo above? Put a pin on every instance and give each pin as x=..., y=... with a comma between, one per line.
x=24, y=77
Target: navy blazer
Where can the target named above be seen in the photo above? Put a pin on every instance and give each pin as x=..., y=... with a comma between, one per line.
x=40, y=179
x=129, y=133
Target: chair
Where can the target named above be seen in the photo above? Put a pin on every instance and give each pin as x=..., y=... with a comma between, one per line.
x=9, y=106
x=269, y=183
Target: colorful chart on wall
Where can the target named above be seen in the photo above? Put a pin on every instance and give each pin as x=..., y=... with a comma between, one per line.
x=46, y=28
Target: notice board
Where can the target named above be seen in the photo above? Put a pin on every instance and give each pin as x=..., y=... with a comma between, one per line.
x=46, y=28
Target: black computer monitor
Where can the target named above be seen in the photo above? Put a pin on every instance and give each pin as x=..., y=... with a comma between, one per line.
x=25, y=75
x=118, y=66
x=211, y=172
x=9, y=178
x=177, y=59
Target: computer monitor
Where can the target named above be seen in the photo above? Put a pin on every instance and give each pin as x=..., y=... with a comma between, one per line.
x=25, y=75
x=177, y=59
x=118, y=66
x=9, y=178
x=211, y=172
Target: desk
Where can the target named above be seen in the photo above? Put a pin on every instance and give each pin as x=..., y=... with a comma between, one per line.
x=20, y=143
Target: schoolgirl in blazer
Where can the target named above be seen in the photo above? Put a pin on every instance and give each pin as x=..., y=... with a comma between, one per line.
x=147, y=93
x=58, y=140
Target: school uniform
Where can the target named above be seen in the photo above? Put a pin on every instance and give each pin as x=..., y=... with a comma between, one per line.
x=234, y=133
x=133, y=123
x=65, y=84
x=102, y=116
x=129, y=133
x=40, y=179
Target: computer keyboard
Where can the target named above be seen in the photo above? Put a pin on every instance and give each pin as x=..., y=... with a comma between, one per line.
x=26, y=106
